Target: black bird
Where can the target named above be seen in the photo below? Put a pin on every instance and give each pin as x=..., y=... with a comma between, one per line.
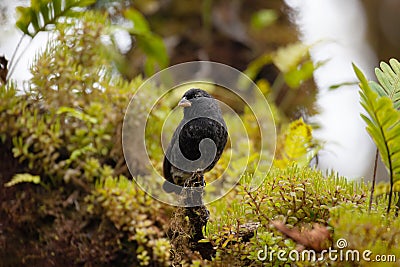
x=197, y=142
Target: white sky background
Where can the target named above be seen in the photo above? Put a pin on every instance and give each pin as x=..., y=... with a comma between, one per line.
x=338, y=28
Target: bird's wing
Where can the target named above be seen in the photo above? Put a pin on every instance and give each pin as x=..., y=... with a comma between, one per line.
x=186, y=140
x=167, y=164
x=167, y=168
x=168, y=154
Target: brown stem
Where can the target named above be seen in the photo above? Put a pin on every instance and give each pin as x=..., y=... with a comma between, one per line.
x=373, y=181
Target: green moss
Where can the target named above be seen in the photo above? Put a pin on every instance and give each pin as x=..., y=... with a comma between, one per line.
x=296, y=196
x=374, y=231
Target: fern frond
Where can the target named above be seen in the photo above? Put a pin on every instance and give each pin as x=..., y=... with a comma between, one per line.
x=383, y=126
x=42, y=13
x=389, y=79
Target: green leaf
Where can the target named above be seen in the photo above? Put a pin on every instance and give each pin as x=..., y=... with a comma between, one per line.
x=256, y=65
x=140, y=25
x=57, y=7
x=149, y=66
x=295, y=77
x=263, y=18
x=79, y=152
x=154, y=47
x=389, y=79
x=45, y=11
x=76, y=114
x=289, y=57
x=24, y=19
x=42, y=13
x=338, y=85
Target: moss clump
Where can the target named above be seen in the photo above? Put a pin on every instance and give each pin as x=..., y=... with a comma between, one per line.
x=298, y=197
x=135, y=213
x=374, y=231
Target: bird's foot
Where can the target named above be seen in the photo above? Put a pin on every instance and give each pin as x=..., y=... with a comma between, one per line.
x=199, y=171
x=196, y=180
x=201, y=183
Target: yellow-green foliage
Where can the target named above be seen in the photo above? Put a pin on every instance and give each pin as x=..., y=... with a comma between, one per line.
x=296, y=144
x=298, y=196
x=138, y=215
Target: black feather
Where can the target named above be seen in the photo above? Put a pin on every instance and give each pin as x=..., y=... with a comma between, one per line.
x=202, y=120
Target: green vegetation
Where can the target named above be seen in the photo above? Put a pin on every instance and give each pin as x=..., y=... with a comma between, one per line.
x=296, y=196
x=68, y=199
x=381, y=103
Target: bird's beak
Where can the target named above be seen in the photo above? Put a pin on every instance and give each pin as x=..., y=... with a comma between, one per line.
x=184, y=103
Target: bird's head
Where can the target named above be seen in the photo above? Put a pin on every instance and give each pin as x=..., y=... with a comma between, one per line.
x=198, y=103
x=191, y=96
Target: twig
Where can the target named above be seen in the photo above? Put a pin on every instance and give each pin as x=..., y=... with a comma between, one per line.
x=16, y=49
x=12, y=64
